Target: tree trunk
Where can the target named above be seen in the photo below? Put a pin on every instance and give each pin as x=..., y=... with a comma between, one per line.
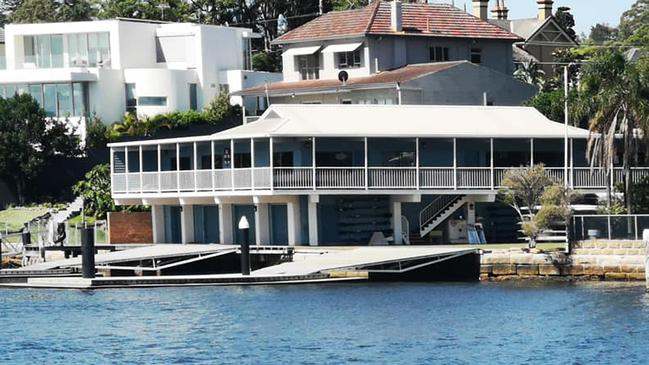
x=20, y=190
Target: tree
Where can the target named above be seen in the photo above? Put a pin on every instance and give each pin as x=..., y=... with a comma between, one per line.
x=220, y=109
x=35, y=11
x=634, y=24
x=538, y=201
x=531, y=73
x=45, y=11
x=617, y=94
x=566, y=20
x=266, y=61
x=601, y=33
x=96, y=192
x=167, y=10
x=28, y=139
x=348, y=4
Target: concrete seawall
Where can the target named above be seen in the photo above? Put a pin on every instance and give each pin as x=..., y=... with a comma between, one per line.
x=590, y=260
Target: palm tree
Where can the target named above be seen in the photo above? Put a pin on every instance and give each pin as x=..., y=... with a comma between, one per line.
x=616, y=98
x=530, y=73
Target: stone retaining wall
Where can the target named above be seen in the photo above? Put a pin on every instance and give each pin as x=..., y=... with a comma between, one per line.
x=598, y=260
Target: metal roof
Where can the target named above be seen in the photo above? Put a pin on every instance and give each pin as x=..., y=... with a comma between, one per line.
x=391, y=121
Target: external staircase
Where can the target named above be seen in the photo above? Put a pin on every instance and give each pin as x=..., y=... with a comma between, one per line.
x=438, y=211
x=62, y=216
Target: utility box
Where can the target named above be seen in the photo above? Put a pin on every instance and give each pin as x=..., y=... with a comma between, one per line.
x=457, y=232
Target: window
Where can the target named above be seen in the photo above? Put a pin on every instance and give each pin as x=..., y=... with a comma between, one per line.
x=83, y=49
x=247, y=54
x=36, y=91
x=152, y=101
x=438, y=54
x=476, y=55
x=49, y=99
x=79, y=98
x=193, y=97
x=89, y=49
x=64, y=100
x=349, y=59
x=131, y=99
x=309, y=67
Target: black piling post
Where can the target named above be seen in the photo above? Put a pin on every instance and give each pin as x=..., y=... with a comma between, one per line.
x=88, y=252
x=244, y=227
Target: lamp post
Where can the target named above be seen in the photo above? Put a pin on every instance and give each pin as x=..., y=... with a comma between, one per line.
x=244, y=227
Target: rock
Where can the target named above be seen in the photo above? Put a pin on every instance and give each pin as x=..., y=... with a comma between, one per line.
x=549, y=270
x=575, y=270
x=615, y=276
x=527, y=270
x=486, y=269
x=639, y=276
x=504, y=269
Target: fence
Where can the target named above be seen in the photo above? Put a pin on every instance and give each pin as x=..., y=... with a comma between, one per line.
x=622, y=227
x=73, y=233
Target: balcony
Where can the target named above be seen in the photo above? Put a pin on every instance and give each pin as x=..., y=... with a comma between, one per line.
x=355, y=179
x=381, y=165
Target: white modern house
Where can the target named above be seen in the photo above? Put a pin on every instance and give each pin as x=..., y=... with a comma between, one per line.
x=394, y=53
x=346, y=174
x=108, y=67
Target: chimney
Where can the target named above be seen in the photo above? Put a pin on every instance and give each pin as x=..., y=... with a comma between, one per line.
x=545, y=8
x=395, y=16
x=481, y=9
x=500, y=11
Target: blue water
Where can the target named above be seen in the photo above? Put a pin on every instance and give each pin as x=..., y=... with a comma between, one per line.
x=486, y=323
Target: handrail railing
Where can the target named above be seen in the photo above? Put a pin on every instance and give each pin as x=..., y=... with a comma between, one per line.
x=435, y=207
x=405, y=230
x=352, y=178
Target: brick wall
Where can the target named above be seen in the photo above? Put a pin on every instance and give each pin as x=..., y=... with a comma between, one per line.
x=130, y=227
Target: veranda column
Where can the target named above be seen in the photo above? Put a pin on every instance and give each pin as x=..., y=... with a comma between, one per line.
x=187, y=223
x=313, y=219
x=262, y=224
x=294, y=226
x=157, y=223
x=225, y=224
x=397, y=228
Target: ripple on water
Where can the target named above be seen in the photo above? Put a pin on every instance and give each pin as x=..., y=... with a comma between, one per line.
x=330, y=324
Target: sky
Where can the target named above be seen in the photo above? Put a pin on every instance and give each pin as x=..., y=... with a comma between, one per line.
x=587, y=12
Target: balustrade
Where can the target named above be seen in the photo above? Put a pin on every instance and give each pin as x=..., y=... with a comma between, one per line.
x=285, y=178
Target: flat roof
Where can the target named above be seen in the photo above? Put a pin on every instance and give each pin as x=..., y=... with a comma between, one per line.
x=391, y=121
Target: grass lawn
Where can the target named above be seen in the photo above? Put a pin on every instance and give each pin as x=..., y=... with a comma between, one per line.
x=14, y=219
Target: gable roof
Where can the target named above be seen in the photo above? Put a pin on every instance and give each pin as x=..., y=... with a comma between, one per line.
x=432, y=20
x=402, y=74
x=529, y=28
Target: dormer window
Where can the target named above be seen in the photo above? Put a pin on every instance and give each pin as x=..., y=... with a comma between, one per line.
x=349, y=59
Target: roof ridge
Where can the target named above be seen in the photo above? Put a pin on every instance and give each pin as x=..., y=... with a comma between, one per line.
x=376, y=4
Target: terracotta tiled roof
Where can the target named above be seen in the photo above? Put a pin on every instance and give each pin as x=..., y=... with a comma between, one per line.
x=406, y=73
x=433, y=20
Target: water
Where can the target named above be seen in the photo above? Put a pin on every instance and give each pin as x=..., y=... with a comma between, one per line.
x=506, y=323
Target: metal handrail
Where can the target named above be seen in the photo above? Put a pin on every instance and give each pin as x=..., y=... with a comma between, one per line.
x=433, y=209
